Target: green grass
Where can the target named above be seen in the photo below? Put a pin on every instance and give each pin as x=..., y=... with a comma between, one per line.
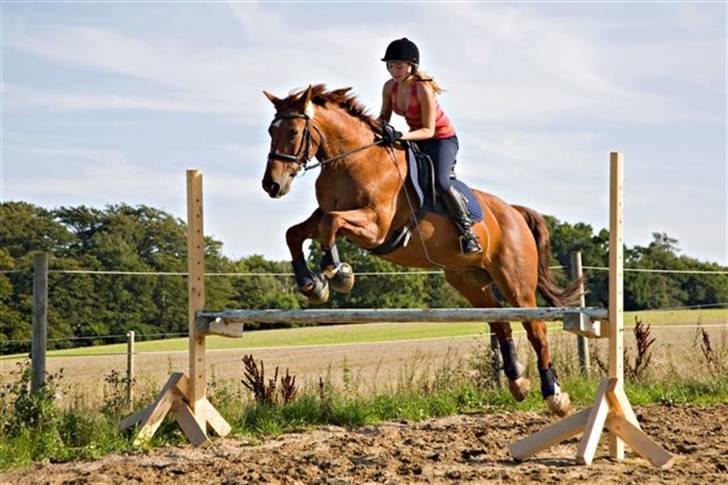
x=304, y=336
x=673, y=317
x=344, y=409
x=368, y=333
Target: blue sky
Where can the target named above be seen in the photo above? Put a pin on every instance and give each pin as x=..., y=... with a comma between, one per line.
x=104, y=103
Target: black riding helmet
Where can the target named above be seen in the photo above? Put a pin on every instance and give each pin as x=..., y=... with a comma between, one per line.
x=402, y=50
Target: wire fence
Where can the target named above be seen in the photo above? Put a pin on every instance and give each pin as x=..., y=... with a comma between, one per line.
x=363, y=273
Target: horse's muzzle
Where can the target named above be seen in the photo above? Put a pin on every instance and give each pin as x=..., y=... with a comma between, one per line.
x=277, y=182
x=272, y=188
x=275, y=189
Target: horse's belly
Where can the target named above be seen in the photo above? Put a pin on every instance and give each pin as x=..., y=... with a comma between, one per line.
x=435, y=243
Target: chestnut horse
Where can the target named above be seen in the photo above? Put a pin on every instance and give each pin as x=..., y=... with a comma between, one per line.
x=363, y=195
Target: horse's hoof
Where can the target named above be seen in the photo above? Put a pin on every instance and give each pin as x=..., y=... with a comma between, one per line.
x=318, y=293
x=519, y=388
x=559, y=404
x=343, y=280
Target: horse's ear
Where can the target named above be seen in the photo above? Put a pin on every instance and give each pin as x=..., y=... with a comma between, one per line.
x=307, y=94
x=307, y=103
x=272, y=98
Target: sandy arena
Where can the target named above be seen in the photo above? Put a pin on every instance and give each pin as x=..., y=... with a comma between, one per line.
x=459, y=449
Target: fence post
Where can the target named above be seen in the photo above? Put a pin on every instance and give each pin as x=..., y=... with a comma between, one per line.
x=40, y=322
x=582, y=344
x=130, y=369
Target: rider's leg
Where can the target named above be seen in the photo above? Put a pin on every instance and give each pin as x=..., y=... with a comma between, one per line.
x=443, y=153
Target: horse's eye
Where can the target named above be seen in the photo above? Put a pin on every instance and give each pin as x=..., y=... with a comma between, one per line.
x=292, y=134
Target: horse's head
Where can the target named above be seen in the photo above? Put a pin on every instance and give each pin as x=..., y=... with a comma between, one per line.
x=292, y=144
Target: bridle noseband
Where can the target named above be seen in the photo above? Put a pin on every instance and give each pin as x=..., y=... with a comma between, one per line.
x=303, y=154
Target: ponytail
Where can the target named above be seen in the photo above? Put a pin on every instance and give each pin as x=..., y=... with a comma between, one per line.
x=423, y=76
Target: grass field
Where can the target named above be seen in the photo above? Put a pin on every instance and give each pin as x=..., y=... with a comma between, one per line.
x=371, y=333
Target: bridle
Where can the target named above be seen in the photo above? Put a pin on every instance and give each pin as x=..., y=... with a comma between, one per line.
x=303, y=154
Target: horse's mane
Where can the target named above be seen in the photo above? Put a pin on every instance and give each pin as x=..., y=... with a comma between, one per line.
x=340, y=97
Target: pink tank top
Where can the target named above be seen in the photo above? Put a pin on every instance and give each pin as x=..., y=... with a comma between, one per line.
x=413, y=115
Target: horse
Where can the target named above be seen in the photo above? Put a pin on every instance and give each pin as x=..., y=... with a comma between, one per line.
x=364, y=195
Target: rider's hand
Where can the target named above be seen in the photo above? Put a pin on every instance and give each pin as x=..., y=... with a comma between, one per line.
x=389, y=134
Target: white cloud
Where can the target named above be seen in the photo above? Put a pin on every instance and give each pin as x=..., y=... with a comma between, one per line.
x=245, y=152
x=83, y=175
x=18, y=98
x=181, y=77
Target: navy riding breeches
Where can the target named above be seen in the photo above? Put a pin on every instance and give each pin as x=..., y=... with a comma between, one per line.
x=443, y=153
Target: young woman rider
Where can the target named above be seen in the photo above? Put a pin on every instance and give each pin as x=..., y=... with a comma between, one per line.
x=411, y=93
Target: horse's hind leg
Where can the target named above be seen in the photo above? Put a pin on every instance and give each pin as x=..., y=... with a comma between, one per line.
x=478, y=291
x=519, y=295
x=557, y=401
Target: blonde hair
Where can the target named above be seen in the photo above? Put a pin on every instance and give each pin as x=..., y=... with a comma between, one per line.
x=423, y=76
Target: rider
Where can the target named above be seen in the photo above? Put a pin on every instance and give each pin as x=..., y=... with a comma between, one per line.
x=411, y=93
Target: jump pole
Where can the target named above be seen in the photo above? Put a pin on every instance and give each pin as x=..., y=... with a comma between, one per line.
x=185, y=395
x=611, y=408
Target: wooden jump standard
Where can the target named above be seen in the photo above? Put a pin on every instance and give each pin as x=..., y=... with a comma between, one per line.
x=185, y=397
x=611, y=408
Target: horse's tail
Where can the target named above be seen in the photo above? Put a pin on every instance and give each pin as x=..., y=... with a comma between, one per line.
x=555, y=295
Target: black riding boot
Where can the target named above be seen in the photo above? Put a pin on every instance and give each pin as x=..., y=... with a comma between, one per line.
x=455, y=205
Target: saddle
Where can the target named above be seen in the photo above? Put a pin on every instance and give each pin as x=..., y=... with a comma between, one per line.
x=421, y=174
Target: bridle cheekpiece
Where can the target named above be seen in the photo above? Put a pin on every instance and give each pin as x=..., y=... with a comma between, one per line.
x=303, y=154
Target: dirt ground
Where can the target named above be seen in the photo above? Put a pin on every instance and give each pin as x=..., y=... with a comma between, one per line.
x=458, y=449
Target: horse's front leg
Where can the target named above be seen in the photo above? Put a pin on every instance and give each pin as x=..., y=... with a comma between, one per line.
x=309, y=283
x=359, y=223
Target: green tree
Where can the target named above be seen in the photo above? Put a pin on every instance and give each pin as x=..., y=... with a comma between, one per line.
x=25, y=229
x=665, y=290
x=12, y=324
x=568, y=238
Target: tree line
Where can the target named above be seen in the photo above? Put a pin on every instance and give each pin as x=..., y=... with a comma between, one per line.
x=145, y=239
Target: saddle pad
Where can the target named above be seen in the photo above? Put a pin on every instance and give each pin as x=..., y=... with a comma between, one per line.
x=471, y=202
x=422, y=176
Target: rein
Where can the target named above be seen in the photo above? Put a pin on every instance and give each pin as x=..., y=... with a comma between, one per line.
x=341, y=155
x=306, y=142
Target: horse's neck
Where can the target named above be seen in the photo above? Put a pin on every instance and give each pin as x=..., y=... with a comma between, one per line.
x=372, y=177
x=343, y=132
x=346, y=134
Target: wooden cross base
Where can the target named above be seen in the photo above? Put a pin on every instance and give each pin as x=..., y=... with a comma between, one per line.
x=612, y=410
x=174, y=399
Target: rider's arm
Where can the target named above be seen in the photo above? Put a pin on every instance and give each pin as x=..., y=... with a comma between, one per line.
x=386, y=112
x=426, y=98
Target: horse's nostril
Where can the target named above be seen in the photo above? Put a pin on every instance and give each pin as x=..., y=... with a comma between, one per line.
x=274, y=189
